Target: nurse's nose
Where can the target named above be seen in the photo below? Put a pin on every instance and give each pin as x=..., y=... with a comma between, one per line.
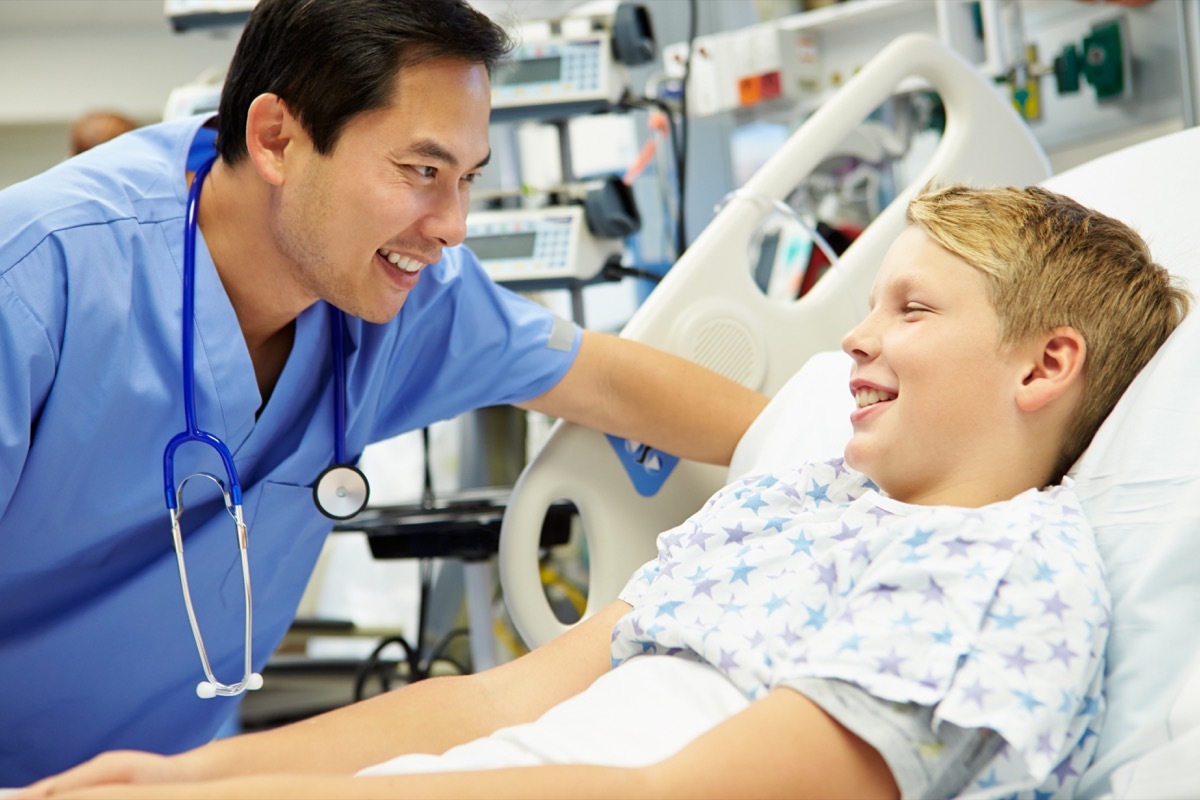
x=447, y=220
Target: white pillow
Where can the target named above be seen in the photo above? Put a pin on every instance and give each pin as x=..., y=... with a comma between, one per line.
x=1169, y=771
x=1139, y=483
x=808, y=419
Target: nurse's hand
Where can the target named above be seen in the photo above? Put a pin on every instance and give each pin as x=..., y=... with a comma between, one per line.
x=118, y=766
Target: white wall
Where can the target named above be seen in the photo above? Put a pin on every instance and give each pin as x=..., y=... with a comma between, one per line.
x=59, y=58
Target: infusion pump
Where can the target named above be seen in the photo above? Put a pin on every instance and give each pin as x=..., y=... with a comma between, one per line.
x=547, y=246
x=559, y=77
x=573, y=65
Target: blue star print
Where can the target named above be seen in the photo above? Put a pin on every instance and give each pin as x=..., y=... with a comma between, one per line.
x=984, y=614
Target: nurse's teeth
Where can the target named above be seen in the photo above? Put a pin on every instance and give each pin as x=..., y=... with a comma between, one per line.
x=406, y=264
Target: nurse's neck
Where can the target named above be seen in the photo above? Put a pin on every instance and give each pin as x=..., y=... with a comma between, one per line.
x=261, y=286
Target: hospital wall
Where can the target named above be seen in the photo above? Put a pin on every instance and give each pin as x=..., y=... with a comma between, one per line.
x=59, y=58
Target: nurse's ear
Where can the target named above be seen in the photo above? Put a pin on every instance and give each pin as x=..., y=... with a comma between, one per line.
x=270, y=130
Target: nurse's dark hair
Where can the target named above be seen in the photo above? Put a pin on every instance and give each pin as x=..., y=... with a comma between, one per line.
x=330, y=60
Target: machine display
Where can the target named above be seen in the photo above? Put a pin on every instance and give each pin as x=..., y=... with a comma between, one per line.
x=564, y=76
x=545, y=245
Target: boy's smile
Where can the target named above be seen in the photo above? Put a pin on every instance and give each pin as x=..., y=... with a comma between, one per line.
x=868, y=397
x=932, y=386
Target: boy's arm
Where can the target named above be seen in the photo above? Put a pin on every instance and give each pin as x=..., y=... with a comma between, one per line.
x=629, y=389
x=781, y=746
x=428, y=717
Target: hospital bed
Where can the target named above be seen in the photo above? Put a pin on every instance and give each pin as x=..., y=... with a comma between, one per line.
x=1139, y=480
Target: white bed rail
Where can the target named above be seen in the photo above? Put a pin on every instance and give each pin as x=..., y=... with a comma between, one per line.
x=708, y=309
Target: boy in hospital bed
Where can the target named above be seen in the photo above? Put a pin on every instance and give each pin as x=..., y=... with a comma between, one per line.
x=932, y=630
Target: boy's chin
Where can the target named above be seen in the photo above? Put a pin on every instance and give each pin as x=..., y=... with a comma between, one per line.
x=862, y=458
x=857, y=456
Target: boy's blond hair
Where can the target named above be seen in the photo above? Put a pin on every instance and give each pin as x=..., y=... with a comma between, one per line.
x=1052, y=262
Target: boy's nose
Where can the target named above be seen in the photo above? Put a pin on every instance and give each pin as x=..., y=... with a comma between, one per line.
x=856, y=342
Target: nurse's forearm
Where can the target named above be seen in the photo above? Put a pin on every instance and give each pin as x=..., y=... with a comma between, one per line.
x=429, y=716
x=560, y=782
x=628, y=389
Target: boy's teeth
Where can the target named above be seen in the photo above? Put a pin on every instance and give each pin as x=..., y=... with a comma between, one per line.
x=397, y=260
x=867, y=397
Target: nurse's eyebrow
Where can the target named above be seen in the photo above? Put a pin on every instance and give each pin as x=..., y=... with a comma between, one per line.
x=431, y=149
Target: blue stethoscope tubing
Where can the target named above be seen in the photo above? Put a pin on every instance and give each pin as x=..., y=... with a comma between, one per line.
x=340, y=492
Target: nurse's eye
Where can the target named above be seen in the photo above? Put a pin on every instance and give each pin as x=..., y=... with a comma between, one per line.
x=425, y=172
x=471, y=177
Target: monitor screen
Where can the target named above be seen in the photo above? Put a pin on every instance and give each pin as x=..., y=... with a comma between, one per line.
x=506, y=245
x=529, y=70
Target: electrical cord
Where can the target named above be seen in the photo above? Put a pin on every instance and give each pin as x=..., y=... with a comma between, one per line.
x=614, y=270
x=629, y=101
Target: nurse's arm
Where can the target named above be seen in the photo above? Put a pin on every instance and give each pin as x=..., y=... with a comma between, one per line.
x=625, y=388
x=429, y=716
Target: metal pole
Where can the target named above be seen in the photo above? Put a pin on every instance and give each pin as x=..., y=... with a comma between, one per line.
x=1189, y=59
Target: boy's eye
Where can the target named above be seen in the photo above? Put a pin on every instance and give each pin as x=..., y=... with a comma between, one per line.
x=914, y=309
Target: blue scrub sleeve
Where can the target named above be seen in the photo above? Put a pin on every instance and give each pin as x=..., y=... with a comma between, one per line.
x=468, y=343
x=27, y=364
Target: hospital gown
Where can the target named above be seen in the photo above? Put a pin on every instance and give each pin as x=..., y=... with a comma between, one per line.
x=95, y=647
x=994, y=617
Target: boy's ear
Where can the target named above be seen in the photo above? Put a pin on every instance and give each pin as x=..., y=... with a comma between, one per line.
x=270, y=128
x=1056, y=367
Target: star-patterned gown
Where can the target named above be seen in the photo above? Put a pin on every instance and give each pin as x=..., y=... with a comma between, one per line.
x=995, y=617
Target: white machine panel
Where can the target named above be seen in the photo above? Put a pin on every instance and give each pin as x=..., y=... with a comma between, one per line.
x=546, y=244
x=556, y=72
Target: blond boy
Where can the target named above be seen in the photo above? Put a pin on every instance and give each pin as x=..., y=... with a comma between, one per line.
x=934, y=629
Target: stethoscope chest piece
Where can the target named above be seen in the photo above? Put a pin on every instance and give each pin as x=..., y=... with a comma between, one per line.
x=341, y=491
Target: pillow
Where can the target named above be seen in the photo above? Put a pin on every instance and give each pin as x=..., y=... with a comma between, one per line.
x=1139, y=483
x=808, y=419
x=1168, y=771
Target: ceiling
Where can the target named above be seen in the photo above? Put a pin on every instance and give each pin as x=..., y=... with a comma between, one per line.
x=34, y=16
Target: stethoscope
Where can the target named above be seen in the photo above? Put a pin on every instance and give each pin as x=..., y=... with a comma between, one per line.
x=340, y=492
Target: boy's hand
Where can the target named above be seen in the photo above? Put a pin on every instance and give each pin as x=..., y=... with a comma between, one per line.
x=118, y=766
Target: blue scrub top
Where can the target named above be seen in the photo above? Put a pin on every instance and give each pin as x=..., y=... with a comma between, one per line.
x=95, y=648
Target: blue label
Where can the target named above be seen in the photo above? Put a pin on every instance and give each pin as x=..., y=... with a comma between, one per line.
x=647, y=468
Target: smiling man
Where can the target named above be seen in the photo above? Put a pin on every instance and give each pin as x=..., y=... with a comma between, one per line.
x=347, y=140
